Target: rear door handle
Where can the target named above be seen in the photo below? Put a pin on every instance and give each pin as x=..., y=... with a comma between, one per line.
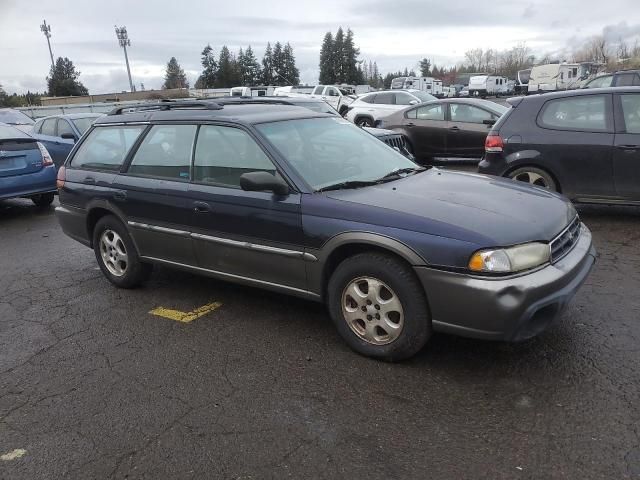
x=89, y=180
x=629, y=147
x=201, y=207
x=454, y=128
x=411, y=124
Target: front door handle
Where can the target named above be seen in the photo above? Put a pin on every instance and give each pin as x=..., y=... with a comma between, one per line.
x=201, y=207
x=411, y=124
x=120, y=195
x=89, y=180
x=455, y=129
x=629, y=147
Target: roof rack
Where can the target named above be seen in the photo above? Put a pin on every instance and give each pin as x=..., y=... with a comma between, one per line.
x=166, y=105
x=252, y=101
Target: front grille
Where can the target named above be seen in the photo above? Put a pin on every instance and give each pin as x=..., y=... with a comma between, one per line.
x=395, y=141
x=564, y=243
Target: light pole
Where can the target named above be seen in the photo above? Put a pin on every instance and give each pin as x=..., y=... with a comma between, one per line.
x=46, y=29
x=123, y=39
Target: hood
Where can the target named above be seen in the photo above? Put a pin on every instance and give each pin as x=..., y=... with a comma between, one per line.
x=487, y=211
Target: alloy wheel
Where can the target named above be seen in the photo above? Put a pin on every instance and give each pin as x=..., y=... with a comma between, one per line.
x=531, y=177
x=372, y=310
x=114, y=253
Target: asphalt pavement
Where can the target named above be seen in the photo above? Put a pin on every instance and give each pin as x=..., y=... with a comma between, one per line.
x=92, y=385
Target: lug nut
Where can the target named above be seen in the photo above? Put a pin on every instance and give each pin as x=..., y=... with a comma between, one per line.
x=377, y=307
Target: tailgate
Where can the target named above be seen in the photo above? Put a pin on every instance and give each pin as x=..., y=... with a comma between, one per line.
x=19, y=157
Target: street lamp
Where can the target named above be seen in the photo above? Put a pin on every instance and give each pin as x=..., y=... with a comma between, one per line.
x=46, y=29
x=123, y=39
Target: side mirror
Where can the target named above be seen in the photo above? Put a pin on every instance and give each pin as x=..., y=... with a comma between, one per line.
x=489, y=122
x=414, y=102
x=263, y=181
x=68, y=136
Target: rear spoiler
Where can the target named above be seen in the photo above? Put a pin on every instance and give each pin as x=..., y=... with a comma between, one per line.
x=514, y=101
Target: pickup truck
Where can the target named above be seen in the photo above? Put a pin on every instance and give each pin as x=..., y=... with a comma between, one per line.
x=334, y=96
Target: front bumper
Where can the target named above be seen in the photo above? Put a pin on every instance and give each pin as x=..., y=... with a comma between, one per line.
x=514, y=308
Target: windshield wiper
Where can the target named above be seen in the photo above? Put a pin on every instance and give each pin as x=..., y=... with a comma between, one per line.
x=393, y=174
x=348, y=184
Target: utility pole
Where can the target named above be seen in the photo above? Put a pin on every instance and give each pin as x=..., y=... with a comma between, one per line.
x=46, y=29
x=123, y=39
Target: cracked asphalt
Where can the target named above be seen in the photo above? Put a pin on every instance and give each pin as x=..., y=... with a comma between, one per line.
x=92, y=386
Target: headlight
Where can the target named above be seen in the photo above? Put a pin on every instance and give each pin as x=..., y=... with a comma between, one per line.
x=509, y=260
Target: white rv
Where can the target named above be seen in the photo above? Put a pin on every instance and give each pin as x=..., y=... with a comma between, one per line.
x=425, y=84
x=252, y=91
x=560, y=76
x=484, y=85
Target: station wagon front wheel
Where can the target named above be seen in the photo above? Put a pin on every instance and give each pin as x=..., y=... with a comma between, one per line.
x=116, y=254
x=379, y=307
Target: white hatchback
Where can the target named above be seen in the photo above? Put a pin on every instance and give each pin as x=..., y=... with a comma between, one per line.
x=367, y=109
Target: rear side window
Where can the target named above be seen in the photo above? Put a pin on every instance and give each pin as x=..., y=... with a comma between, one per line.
x=332, y=92
x=223, y=154
x=600, y=82
x=165, y=152
x=631, y=112
x=461, y=112
x=106, y=147
x=318, y=90
x=368, y=98
x=49, y=127
x=588, y=113
x=430, y=112
x=403, y=98
x=385, y=99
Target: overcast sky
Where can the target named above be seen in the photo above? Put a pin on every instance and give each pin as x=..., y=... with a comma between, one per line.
x=395, y=33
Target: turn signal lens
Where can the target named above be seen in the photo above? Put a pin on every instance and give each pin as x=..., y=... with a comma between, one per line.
x=510, y=260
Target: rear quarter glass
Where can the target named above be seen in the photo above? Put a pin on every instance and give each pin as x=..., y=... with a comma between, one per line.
x=503, y=118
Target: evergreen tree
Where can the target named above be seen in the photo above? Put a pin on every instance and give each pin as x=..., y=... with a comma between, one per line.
x=290, y=71
x=425, y=67
x=267, y=66
x=278, y=65
x=241, y=68
x=227, y=69
x=174, y=76
x=327, y=73
x=63, y=80
x=252, y=72
x=207, y=78
x=352, y=74
x=338, y=57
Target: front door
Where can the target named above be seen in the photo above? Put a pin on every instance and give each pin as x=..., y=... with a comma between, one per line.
x=253, y=235
x=626, y=152
x=467, y=131
x=426, y=129
x=152, y=194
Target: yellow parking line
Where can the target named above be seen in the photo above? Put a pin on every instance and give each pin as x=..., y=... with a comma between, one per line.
x=185, y=317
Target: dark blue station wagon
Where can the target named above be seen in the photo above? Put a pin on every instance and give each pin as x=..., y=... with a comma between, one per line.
x=305, y=203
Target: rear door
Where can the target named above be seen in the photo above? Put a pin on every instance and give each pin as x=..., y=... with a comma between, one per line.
x=152, y=192
x=467, y=131
x=576, y=138
x=626, y=154
x=256, y=235
x=426, y=128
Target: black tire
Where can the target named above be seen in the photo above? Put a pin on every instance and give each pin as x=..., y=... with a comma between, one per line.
x=43, y=200
x=343, y=111
x=136, y=271
x=416, y=321
x=364, y=122
x=530, y=174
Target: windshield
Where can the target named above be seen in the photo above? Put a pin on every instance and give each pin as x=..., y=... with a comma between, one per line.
x=327, y=151
x=14, y=117
x=83, y=124
x=424, y=97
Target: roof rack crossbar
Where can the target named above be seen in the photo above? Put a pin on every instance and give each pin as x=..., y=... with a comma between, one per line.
x=166, y=105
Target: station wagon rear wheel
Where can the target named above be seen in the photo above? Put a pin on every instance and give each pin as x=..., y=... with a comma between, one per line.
x=379, y=307
x=534, y=176
x=117, y=255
